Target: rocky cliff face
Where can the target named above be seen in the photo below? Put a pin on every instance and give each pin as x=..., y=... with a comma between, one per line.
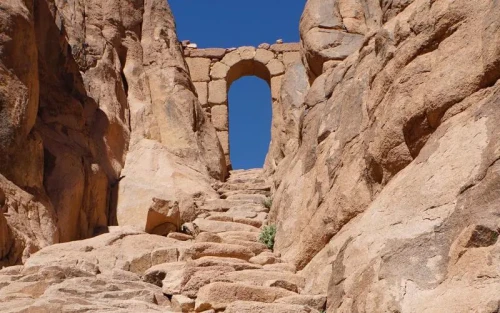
x=391, y=200
x=90, y=93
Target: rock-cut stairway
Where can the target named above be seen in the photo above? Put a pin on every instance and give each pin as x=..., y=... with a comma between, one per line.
x=227, y=268
x=217, y=264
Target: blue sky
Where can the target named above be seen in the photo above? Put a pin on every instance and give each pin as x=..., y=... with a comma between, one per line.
x=233, y=23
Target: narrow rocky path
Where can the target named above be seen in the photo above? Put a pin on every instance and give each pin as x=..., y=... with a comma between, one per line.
x=229, y=269
x=216, y=264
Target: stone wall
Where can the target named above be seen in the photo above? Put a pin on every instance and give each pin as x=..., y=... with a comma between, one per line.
x=213, y=70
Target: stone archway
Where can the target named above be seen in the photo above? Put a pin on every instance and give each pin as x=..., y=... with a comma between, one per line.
x=213, y=71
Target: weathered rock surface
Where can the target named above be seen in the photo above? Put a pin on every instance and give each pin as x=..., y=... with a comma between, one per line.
x=218, y=295
x=259, y=307
x=288, y=114
x=334, y=29
x=136, y=271
x=123, y=249
x=65, y=289
x=384, y=162
x=392, y=191
x=98, y=117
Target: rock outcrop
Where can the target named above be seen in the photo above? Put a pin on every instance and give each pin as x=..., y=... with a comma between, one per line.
x=98, y=117
x=390, y=200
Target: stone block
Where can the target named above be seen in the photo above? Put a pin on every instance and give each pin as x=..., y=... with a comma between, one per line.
x=231, y=58
x=199, y=69
x=219, y=71
x=217, y=92
x=264, y=56
x=220, y=117
x=247, y=53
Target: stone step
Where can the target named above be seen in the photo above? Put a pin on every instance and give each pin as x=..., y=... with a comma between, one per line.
x=184, y=278
x=211, y=226
x=225, y=194
x=246, y=221
x=261, y=277
x=280, y=267
x=249, y=198
x=225, y=250
x=237, y=264
x=238, y=213
x=220, y=205
x=249, y=172
x=255, y=247
x=316, y=302
x=249, y=180
x=195, y=278
x=240, y=235
x=171, y=284
x=260, y=307
x=258, y=182
x=265, y=258
x=253, y=207
x=208, y=237
x=253, y=219
x=218, y=295
x=225, y=187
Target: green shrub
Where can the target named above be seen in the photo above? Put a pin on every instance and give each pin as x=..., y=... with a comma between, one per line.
x=267, y=203
x=267, y=236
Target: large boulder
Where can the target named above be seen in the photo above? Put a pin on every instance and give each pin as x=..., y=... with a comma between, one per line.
x=62, y=289
x=123, y=249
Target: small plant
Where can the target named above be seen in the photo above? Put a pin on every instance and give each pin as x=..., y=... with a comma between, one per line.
x=267, y=236
x=267, y=203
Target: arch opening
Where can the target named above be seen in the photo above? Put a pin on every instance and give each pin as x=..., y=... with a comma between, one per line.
x=248, y=68
x=250, y=118
x=213, y=72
